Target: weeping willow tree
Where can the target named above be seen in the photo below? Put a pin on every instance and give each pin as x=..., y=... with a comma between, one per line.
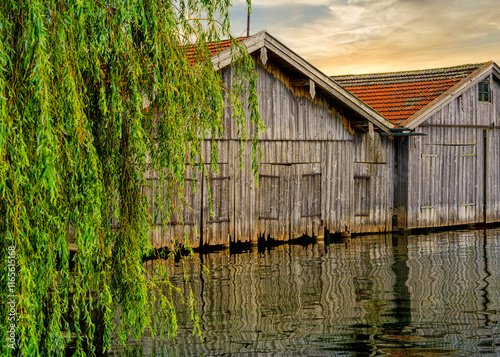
x=93, y=96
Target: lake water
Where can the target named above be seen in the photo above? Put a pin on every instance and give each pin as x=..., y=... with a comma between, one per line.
x=434, y=294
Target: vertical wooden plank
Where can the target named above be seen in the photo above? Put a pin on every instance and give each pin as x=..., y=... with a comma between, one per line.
x=296, y=188
x=271, y=213
x=347, y=183
x=492, y=199
x=216, y=225
x=262, y=194
x=372, y=197
x=234, y=168
x=414, y=175
x=453, y=188
x=326, y=184
x=401, y=182
x=445, y=177
x=284, y=173
x=252, y=233
x=229, y=128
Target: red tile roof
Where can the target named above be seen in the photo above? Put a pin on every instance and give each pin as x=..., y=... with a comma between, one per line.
x=213, y=47
x=399, y=95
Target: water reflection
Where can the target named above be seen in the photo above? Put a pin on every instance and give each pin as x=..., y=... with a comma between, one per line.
x=378, y=295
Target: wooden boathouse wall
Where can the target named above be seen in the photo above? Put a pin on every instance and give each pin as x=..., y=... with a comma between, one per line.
x=451, y=176
x=313, y=173
x=491, y=114
x=306, y=169
x=373, y=183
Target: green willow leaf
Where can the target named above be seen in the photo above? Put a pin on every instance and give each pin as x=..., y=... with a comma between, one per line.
x=94, y=96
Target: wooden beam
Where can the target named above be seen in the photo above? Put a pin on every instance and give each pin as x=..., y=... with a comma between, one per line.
x=371, y=133
x=312, y=90
x=263, y=55
x=253, y=43
x=301, y=82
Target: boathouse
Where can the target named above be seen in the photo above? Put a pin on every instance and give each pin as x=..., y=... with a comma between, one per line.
x=323, y=163
x=447, y=148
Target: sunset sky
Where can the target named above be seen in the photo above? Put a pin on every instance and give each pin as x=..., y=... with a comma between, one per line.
x=365, y=36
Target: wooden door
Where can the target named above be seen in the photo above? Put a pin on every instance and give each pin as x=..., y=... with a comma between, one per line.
x=182, y=221
x=361, y=194
x=217, y=207
x=289, y=200
x=431, y=211
x=306, y=202
x=273, y=201
x=451, y=185
x=471, y=179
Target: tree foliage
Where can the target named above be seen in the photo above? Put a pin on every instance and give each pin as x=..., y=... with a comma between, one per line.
x=94, y=95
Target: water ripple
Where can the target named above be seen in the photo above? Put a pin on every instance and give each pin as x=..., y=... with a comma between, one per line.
x=380, y=295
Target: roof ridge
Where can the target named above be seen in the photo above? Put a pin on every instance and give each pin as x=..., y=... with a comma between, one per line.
x=415, y=71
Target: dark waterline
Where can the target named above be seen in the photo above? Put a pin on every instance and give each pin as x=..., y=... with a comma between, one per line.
x=434, y=294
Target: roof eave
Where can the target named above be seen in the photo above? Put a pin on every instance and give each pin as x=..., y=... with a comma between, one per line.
x=263, y=39
x=252, y=43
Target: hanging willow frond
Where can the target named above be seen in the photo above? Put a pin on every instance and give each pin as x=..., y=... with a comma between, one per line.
x=93, y=96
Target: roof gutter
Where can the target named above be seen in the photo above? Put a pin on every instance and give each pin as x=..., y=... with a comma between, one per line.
x=402, y=134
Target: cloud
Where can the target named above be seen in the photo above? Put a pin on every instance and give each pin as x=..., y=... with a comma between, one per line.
x=278, y=18
x=339, y=36
x=285, y=3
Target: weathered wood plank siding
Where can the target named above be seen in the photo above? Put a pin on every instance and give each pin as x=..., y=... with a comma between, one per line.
x=337, y=181
x=492, y=157
x=305, y=179
x=217, y=214
x=245, y=196
x=401, y=182
x=290, y=113
x=305, y=176
x=307, y=159
x=447, y=171
x=373, y=190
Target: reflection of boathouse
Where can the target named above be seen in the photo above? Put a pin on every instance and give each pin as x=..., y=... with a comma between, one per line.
x=437, y=291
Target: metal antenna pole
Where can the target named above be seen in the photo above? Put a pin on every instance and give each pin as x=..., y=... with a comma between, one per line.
x=248, y=23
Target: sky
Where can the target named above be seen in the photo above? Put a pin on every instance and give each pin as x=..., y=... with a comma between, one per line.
x=368, y=36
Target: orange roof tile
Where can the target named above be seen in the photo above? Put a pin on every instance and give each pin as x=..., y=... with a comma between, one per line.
x=213, y=47
x=399, y=95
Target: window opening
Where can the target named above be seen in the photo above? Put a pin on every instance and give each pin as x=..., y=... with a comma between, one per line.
x=484, y=90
